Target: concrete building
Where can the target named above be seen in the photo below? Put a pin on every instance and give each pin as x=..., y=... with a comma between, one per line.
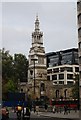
x=79, y=44
x=37, y=71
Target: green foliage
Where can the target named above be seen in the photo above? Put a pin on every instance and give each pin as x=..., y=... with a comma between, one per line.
x=20, y=67
x=11, y=87
x=14, y=69
x=7, y=66
x=75, y=90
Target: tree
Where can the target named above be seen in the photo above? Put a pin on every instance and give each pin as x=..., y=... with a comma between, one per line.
x=75, y=90
x=13, y=69
x=7, y=65
x=20, y=67
x=11, y=87
x=7, y=73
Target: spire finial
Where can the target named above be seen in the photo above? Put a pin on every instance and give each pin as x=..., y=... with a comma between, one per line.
x=36, y=16
x=37, y=23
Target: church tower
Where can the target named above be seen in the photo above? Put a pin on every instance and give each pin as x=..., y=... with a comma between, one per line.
x=37, y=71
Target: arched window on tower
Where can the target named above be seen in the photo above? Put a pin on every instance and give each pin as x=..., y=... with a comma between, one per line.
x=79, y=18
x=57, y=93
x=42, y=87
x=31, y=72
x=65, y=93
x=79, y=32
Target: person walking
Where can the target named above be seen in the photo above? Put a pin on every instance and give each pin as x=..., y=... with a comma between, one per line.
x=19, y=109
x=46, y=107
x=54, y=109
x=26, y=113
x=65, y=109
x=37, y=109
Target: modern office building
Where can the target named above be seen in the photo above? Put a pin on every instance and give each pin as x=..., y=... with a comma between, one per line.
x=62, y=67
x=62, y=74
x=79, y=43
x=69, y=57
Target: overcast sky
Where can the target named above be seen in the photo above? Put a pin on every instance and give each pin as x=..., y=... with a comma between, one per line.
x=57, y=21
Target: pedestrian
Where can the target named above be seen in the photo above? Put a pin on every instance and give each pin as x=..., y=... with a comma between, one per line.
x=54, y=109
x=19, y=109
x=46, y=107
x=34, y=107
x=65, y=109
x=37, y=109
x=26, y=113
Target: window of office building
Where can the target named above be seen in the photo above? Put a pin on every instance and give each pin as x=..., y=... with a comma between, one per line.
x=79, y=18
x=79, y=32
x=49, y=71
x=76, y=69
x=56, y=70
x=54, y=83
x=54, y=77
x=62, y=69
x=79, y=60
x=69, y=76
x=66, y=58
x=54, y=60
x=79, y=5
x=61, y=82
x=69, y=82
x=61, y=76
x=42, y=87
x=79, y=45
x=76, y=57
x=69, y=69
x=48, y=77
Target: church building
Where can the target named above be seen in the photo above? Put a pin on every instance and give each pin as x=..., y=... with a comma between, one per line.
x=37, y=71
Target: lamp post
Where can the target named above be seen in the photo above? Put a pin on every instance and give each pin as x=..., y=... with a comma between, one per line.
x=34, y=59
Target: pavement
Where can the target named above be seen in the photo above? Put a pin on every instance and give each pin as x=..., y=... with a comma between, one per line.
x=72, y=115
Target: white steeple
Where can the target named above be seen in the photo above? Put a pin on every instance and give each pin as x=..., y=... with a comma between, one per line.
x=37, y=24
x=37, y=51
x=37, y=35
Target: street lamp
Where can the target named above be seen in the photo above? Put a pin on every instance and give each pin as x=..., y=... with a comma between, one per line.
x=34, y=59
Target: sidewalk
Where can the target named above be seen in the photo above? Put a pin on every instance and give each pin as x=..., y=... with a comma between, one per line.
x=72, y=115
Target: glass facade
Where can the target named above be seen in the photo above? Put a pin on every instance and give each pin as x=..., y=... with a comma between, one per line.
x=48, y=77
x=66, y=58
x=56, y=70
x=79, y=32
x=69, y=76
x=79, y=45
x=53, y=60
x=69, y=69
x=69, y=56
x=79, y=18
x=54, y=77
x=49, y=71
x=76, y=69
x=79, y=5
x=61, y=76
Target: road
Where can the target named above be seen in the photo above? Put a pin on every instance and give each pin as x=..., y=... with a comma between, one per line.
x=42, y=116
x=45, y=118
x=39, y=117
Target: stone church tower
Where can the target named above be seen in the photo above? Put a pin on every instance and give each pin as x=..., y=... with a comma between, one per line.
x=37, y=71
